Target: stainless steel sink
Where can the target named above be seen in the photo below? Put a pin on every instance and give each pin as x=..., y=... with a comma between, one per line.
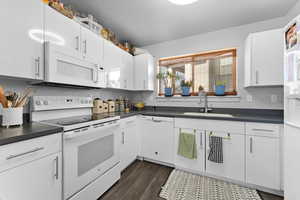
x=207, y=114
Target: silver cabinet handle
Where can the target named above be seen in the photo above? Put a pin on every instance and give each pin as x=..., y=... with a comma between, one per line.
x=123, y=137
x=37, y=66
x=95, y=74
x=25, y=153
x=156, y=120
x=201, y=140
x=77, y=43
x=264, y=130
x=85, y=46
x=81, y=130
x=125, y=83
x=251, y=145
x=56, y=174
x=256, y=77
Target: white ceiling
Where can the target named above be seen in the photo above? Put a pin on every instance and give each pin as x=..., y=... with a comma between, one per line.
x=145, y=22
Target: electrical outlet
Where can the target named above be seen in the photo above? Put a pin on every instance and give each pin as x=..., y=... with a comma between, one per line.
x=249, y=98
x=274, y=98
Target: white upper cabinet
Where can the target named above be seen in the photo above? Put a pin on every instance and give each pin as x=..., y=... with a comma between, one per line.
x=21, y=40
x=91, y=46
x=112, y=59
x=127, y=71
x=264, y=59
x=62, y=31
x=144, y=72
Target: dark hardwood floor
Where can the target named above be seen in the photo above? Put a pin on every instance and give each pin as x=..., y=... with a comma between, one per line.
x=143, y=180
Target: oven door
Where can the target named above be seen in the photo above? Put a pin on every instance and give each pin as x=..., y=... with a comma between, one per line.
x=66, y=66
x=89, y=153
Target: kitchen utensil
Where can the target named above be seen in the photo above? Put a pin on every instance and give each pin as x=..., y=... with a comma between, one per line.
x=3, y=99
x=111, y=106
x=24, y=98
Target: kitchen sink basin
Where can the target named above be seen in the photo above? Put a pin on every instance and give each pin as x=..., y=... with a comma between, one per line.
x=208, y=114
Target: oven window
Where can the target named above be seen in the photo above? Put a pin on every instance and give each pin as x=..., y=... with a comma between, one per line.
x=91, y=154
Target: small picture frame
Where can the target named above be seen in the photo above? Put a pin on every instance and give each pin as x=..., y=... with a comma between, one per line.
x=291, y=36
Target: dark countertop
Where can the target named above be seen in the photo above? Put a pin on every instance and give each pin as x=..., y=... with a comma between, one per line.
x=34, y=130
x=244, y=117
x=26, y=132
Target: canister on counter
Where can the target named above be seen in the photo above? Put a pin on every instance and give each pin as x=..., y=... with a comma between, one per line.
x=105, y=107
x=117, y=105
x=98, y=106
x=122, y=106
x=111, y=106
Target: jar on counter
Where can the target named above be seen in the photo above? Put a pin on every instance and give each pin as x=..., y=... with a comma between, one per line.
x=117, y=105
x=122, y=106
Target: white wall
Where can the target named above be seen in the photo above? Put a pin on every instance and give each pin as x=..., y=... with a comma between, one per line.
x=227, y=38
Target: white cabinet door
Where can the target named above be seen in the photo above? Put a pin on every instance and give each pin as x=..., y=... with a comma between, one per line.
x=21, y=39
x=157, y=139
x=263, y=161
x=196, y=165
x=144, y=72
x=127, y=71
x=91, y=46
x=129, y=142
x=112, y=63
x=40, y=179
x=61, y=30
x=264, y=55
x=233, y=166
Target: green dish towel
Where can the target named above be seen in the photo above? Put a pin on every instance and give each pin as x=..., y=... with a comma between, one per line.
x=187, y=145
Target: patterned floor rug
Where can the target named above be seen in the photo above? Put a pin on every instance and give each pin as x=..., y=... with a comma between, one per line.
x=186, y=186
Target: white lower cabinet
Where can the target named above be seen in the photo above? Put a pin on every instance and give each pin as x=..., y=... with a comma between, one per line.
x=194, y=165
x=157, y=138
x=38, y=173
x=129, y=142
x=233, y=166
x=263, y=155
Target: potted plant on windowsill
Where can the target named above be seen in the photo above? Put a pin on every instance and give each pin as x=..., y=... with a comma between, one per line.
x=167, y=78
x=220, y=88
x=185, y=87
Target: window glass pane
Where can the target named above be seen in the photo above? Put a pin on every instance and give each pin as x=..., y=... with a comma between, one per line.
x=206, y=70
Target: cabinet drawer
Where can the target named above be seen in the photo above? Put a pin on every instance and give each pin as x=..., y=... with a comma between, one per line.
x=264, y=130
x=16, y=154
x=213, y=125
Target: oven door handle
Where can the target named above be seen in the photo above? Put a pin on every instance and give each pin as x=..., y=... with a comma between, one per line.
x=76, y=133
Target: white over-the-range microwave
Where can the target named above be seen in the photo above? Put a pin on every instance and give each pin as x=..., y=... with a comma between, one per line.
x=69, y=67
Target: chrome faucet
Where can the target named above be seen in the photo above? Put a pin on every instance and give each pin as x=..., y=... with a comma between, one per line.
x=206, y=109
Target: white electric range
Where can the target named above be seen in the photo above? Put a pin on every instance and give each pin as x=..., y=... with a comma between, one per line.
x=90, y=144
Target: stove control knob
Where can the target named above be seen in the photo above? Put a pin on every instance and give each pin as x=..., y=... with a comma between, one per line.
x=38, y=102
x=46, y=102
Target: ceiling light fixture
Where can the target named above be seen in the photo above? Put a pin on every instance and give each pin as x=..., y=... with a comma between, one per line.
x=183, y=2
